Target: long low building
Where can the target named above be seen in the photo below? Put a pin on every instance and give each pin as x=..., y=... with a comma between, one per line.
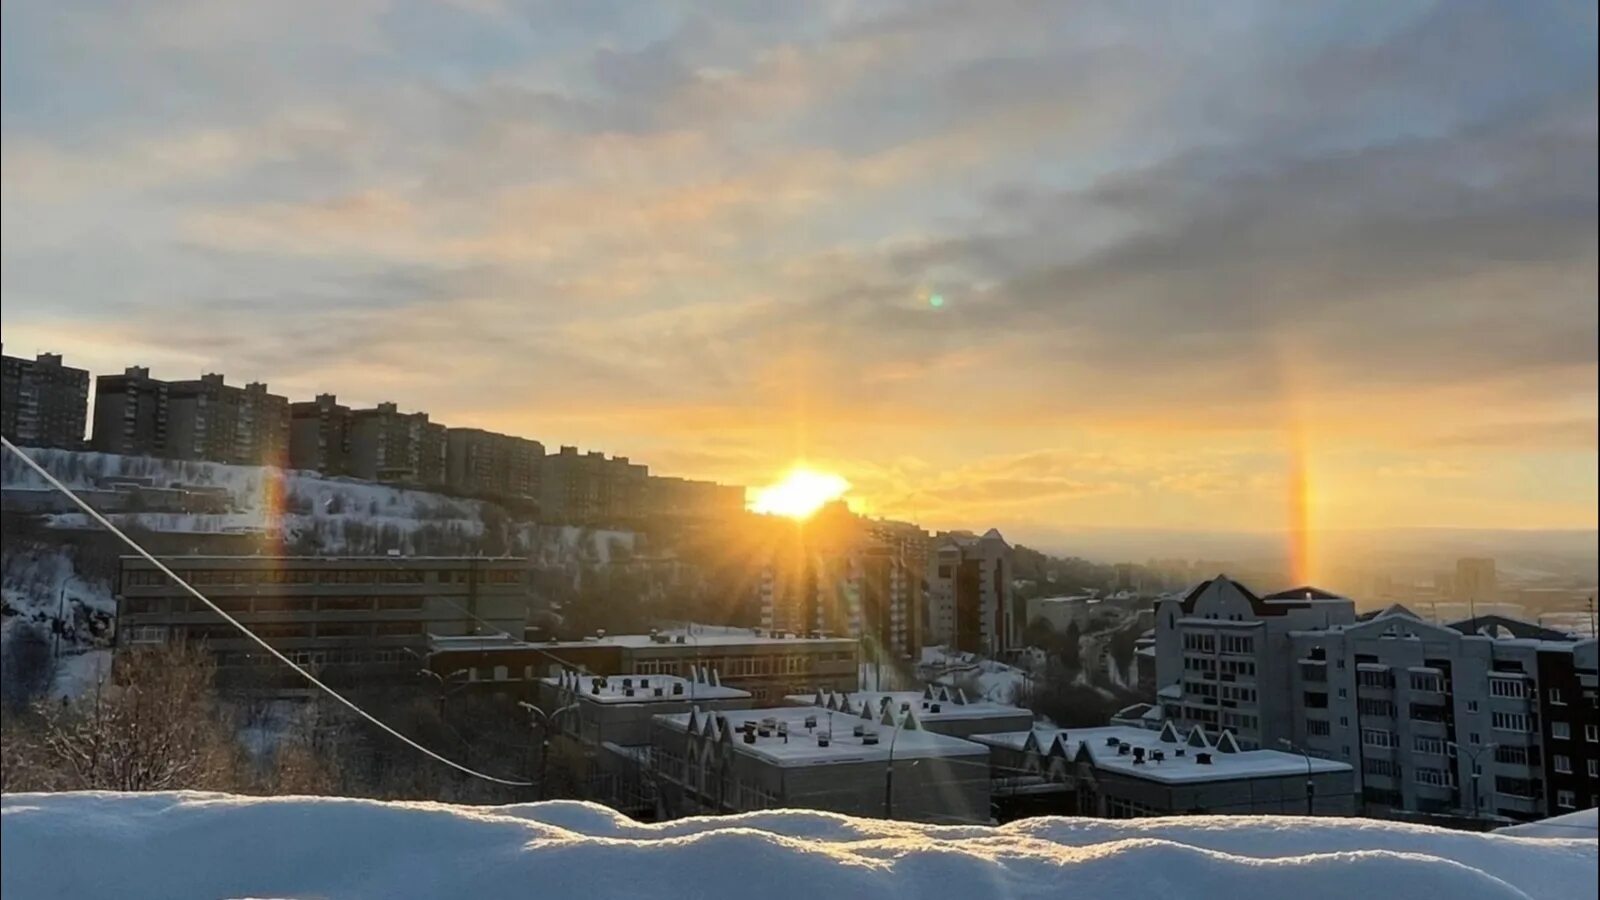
x=939, y=708
x=768, y=666
x=1121, y=772
x=816, y=758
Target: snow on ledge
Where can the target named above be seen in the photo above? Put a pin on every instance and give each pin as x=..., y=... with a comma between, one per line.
x=139, y=846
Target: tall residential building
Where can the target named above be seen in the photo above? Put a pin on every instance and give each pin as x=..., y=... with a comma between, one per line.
x=1224, y=656
x=211, y=420
x=1489, y=717
x=971, y=606
x=683, y=498
x=587, y=488
x=391, y=446
x=130, y=414
x=319, y=435
x=42, y=402
x=483, y=462
x=1475, y=580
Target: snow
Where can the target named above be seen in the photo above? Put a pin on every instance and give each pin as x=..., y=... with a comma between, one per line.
x=1174, y=769
x=802, y=749
x=612, y=690
x=948, y=710
x=1584, y=823
x=147, y=846
x=996, y=680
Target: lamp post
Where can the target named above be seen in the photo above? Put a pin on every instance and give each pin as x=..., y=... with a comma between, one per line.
x=444, y=685
x=888, y=774
x=1311, y=785
x=1472, y=760
x=544, y=722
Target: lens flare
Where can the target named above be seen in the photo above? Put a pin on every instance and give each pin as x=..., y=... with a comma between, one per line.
x=800, y=493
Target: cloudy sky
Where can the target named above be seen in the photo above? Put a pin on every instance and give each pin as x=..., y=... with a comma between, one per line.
x=1176, y=253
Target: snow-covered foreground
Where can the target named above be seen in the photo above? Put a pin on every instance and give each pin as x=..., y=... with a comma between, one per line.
x=212, y=845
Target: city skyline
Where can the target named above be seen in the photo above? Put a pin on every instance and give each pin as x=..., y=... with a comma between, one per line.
x=1340, y=275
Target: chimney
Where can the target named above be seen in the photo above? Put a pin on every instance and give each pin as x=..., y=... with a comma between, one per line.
x=1203, y=759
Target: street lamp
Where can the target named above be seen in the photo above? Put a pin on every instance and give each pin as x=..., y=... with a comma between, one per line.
x=1472, y=760
x=1311, y=785
x=545, y=722
x=888, y=775
x=444, y=684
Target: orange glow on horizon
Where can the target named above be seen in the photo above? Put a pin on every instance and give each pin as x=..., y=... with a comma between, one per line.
x=1299, y=489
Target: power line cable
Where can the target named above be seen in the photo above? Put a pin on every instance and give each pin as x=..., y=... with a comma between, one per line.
x=94, y=514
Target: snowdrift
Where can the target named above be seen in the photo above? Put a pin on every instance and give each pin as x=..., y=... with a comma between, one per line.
x=212, y=845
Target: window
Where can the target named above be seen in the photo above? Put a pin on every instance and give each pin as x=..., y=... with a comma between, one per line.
x=1507, y=687
x=1511, y=756
x=1344, y=721
x=1317, y=728
x=1240, y=644
x=1199, y=643
x=147, y=634
x=1474, y=737
x=1427, y=681
x=1374, y=678
x=1591, y=733
x=1343, y=694
x=1563, y=764
x=1566, y=799
x=1560, y=731
x=1517, y=787
x=1555, y=697
x=1384, y=767
x=1433, y=777
x=1316, y=700
x=1380, y=708
x=1510, y=721
x=1430, y=745
x=1373, y=737
x=1472, y=706
x=1594, y=768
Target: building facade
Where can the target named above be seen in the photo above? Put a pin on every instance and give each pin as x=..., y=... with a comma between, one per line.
x=343, y=613
x=971, y=605
x=484, y=463
x=210, y=420
x=397, y=448
x=590, y=489
x=130, y=414
x=1451, y=720
x=319, y=435
x=42, y=402
x=669, y=497
x=1224, y=656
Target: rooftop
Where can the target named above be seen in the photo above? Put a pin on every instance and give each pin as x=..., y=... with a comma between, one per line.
x=1104, y=746
x=788, y=736
x=952, y=703
x=629, y=689
x=669, y=639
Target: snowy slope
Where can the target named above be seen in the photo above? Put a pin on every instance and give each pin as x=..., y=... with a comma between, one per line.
x=211, y=845
x=1584, y=823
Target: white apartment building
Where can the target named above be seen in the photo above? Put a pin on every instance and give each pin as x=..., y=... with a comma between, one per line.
x=1224, y=655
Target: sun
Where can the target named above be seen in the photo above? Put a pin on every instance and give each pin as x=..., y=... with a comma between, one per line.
x=801, y=492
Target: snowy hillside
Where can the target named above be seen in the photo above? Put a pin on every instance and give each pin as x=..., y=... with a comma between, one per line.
x=212, y=845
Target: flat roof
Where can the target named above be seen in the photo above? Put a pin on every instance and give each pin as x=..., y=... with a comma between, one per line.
x=615, y=689
x=1174, y=769
x=640, y=641
x=919, y=702
x=844, y=746
x=170, y=559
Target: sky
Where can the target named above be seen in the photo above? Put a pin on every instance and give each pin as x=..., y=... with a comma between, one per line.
x=1046, y=266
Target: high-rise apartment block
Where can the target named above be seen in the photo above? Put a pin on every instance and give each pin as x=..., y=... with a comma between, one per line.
x=483, y=462
x=586, y=488
x=130, y=414
x=971, y=604
x=42, y=402
x=401, y=448
x=210, y=420
x=684, y=498
x=1476, y=581
x=319, y=435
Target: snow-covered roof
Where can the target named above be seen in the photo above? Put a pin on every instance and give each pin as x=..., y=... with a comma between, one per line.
x=1104, y=747
x=695, y=640
x=643, y=688
x=796, y=743
x=952, y=702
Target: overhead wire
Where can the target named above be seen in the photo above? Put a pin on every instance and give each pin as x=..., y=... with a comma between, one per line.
x=245, y=630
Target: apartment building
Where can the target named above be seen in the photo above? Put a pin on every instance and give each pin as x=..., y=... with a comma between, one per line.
x=1224, y=656
x=350, y=613
x=1121, y=772
x=814, y=758
x=486, y=463
x=42, y=402
x=130, y=414
x=1476, y=580
x=210, y=420
x=971, y=605
x=588, y=488
x=683, y=498
x=1485, y=718
x=769, y=666
x=399, y=448
x=319, y=435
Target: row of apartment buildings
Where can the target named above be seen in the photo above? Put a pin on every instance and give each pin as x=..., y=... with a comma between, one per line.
x=46, y=405
x=1486, y=717
x=896, y=588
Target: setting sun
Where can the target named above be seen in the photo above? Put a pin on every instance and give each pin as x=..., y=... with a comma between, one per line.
x=801, y=493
